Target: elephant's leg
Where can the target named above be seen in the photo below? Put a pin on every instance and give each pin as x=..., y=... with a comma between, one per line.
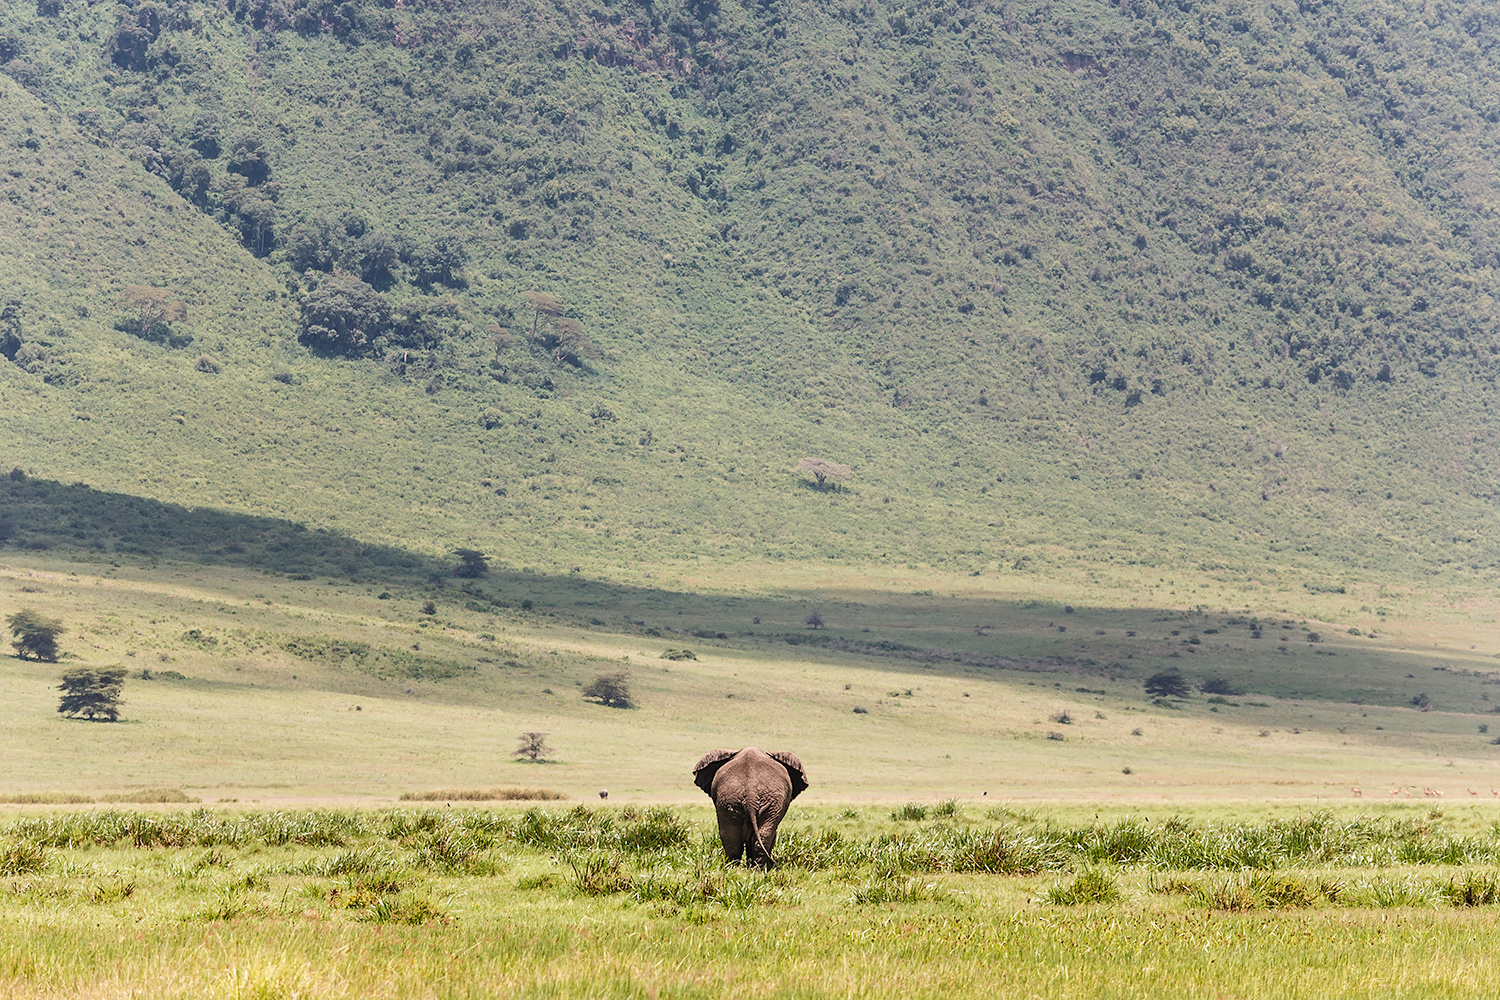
x=734, y=832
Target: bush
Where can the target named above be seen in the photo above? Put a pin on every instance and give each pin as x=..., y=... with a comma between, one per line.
x=678, y=654
x=207, y=365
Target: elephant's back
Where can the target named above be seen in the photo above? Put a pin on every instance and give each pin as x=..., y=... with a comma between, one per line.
x=753, y=773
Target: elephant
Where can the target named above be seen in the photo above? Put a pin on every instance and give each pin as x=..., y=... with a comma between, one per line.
x=751, y=790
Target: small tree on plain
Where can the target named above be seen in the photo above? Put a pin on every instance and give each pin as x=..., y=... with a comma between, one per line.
x=1167, y=684
x=92, y=693
x=471, y=563
x=34, y=637
x=611, y=689
x=533, y=746
x=814, y=620
x=823, y=470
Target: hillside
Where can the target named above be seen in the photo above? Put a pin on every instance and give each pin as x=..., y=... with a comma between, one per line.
x=1078, y=290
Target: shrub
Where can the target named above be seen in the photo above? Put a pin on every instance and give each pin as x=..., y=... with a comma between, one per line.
x=207, y=365
x=678, y=654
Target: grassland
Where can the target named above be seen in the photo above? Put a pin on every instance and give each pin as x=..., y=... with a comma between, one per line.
x=252, y=685
x=627, y=902
x=951, y=844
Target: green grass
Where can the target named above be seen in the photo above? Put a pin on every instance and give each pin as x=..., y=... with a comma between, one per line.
x=472, y=902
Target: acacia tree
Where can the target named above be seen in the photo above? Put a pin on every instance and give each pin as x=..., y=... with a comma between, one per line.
x=550, y=305
x=611, y=689
x=35, y=637
x=151, y=306
x=1167, y=684
x=823, y=470
x=471, y=563
x=533, y=746
x=92, y=693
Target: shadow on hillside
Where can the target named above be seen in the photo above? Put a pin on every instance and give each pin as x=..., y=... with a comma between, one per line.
x=81, y=523
x=77, y=522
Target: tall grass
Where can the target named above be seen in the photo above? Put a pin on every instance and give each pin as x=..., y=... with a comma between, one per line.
x=453, y=839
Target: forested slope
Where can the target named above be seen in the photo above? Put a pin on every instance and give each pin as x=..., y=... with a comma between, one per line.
x=1064, y=283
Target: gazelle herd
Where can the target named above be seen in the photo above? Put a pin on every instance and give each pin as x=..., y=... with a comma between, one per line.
x=1405, y=790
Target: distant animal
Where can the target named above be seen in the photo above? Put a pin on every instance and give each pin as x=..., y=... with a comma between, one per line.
x=751, y=790
x=604, y=793
x=1357, y=791
x=1472, y=792
x=1395, y=791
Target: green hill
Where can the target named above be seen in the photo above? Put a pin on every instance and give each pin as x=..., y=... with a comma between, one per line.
x=1070, y=286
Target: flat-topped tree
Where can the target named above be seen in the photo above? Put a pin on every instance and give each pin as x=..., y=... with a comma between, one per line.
x=151, y=306
x=92, y=693
x=823, y=470
x=549, y=305
x=35, y=637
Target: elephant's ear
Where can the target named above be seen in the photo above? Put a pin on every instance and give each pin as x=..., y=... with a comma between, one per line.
x=794, y=770
x=705, y=769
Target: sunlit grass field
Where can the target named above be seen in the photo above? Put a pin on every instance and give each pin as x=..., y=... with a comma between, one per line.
x=247, y=686
x=932, y=899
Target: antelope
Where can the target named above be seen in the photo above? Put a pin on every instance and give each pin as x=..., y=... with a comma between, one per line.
x=1357, y=791
x=1472, y=792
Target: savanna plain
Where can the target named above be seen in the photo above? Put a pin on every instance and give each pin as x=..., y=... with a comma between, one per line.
x=1069, y=427
x=311, y=791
